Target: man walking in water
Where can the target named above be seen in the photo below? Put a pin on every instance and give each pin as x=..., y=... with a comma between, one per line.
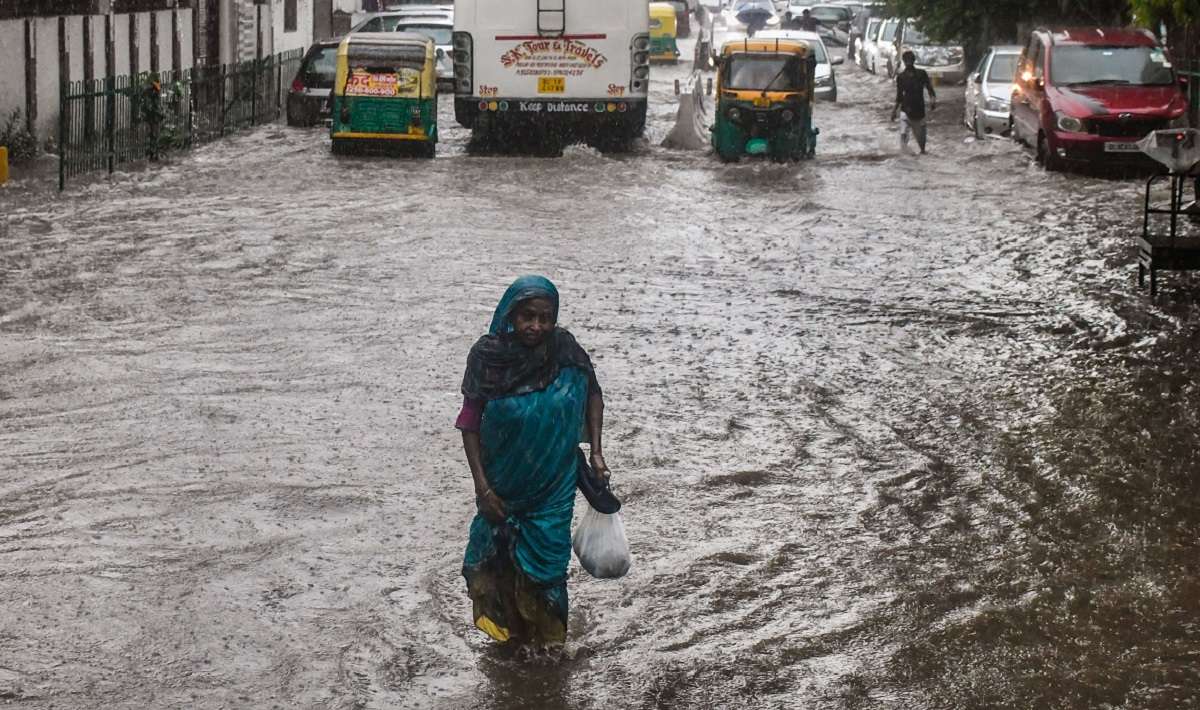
x=807, y=22
x=911, y=85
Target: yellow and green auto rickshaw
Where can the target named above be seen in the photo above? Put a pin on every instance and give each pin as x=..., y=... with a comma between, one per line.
x=662, y=33
x=385, y=93
x=765, y=100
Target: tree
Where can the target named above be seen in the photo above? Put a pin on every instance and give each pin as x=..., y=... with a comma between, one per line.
x=1150, y=13
x=977, y=24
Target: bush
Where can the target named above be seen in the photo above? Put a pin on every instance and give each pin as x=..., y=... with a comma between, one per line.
x=21, y=144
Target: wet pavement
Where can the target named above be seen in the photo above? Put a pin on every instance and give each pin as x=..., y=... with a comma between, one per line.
x=892, y=431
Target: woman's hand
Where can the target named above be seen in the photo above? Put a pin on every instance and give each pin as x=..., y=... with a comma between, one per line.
x=491, y=506
x=599, y=466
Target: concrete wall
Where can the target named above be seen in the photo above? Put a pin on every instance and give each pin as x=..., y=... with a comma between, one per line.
x=12, y=60
x=120, y=25
x=302, y=37
x=186, y=39
x=47, y=76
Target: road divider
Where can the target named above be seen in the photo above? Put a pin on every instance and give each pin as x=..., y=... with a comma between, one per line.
x=691, y=129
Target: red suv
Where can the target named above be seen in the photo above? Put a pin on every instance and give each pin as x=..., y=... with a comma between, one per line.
x=1088, y=95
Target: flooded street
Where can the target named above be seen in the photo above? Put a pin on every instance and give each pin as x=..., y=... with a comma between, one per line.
x=891, y=431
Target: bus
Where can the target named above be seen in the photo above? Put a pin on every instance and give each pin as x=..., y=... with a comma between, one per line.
x=539, y=74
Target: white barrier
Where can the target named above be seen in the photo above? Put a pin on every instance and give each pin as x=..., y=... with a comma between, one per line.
x=691, y=129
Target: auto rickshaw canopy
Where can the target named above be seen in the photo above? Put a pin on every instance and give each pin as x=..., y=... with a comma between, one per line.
x=386, y=65
x=767, y=46
x=662, y=19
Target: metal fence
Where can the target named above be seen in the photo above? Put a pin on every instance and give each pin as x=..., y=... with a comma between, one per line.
x=1192, y=72
x=109, y=122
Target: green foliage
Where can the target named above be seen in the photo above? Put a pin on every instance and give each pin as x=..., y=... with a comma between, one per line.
x=977, y=24
x=1151, y=12
x=21, y=144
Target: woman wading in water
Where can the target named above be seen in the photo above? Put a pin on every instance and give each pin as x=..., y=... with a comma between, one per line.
x=531, y=396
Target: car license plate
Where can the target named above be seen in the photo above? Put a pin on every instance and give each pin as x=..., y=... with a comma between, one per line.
x=762, y=101
x=1116, y=147
x=552, y=84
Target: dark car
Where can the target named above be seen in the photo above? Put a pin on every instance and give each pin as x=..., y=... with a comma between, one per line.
x=308, y=98
x=683, y=18
x=1089, y=95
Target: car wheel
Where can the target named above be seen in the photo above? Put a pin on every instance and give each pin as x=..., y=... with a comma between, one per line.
x=1048, y=160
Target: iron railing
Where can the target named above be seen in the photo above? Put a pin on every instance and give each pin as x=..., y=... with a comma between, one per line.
x=1192, y=72
x=109, y=122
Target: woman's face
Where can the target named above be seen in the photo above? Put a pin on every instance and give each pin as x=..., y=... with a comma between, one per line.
x=532, y=320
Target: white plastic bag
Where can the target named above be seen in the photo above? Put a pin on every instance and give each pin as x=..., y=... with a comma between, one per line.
x=600, y=545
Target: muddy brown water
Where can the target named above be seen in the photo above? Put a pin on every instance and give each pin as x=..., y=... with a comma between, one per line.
x=892, y=432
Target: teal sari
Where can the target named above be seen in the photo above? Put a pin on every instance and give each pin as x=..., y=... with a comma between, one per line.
x=516, y=571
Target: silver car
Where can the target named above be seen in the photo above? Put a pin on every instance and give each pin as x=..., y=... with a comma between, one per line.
x=824, y=77
x=887, y=55
x=989, y=89
x=867, y=47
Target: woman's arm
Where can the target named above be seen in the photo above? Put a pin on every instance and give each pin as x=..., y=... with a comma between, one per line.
x=486, y=499
x=595, y=427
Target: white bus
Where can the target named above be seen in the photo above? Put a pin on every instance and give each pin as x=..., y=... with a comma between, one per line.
x=549, y=72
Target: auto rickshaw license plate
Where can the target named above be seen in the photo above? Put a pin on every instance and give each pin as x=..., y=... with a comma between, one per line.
x=552, y=84
x=762, y=102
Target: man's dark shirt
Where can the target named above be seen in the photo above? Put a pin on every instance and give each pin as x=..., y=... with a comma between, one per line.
x=910, y=92
x=808, y=24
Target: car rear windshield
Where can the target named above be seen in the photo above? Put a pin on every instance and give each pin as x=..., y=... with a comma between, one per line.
x=830, y=14
x=1110, y=65
x=320, y=68
x=440, y=34
x=761, y=72
x=1004, y=67
x=914, y=36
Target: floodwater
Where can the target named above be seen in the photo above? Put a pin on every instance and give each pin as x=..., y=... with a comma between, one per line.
x=891, y=431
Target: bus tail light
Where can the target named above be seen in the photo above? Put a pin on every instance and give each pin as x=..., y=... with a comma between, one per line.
x=464, y=51
x=639, y=54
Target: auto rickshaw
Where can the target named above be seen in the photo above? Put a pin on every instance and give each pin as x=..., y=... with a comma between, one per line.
x=765, y=100
x=385, y=94
x=662, y=33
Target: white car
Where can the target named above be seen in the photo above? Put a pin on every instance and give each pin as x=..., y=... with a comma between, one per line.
x=989, y=91
x=825, y=79
x=887, y=54
x=945, y=63
x=387, y=21
x=868, y=50
x=441, y=31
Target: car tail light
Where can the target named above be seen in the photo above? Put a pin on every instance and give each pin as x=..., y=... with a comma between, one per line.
x=463, y=54
x=297, y=85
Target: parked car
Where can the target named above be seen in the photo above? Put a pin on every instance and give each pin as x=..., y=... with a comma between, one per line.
x=824, y=77
x=308, y=97
x=869, y=51
x=387, y=21
x=441, y=31
x=858, y=29
x=683, y=18
x=1088, y=95
x=834, y=20
x=989, y=89
x=887, y=48
x=944, y=63
x=854, y=5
